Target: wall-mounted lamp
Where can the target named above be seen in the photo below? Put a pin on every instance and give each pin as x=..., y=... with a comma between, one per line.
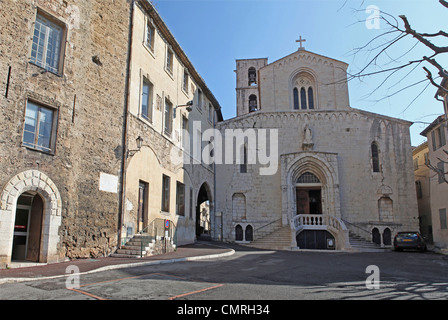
x=139, y=141
x=188, y=105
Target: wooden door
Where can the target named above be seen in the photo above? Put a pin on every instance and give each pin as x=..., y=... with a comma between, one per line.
x=303, y=201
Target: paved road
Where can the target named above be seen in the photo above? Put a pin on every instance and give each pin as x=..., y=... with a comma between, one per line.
x=257, y=275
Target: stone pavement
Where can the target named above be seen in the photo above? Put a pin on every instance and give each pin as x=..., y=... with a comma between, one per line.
x=191, y=252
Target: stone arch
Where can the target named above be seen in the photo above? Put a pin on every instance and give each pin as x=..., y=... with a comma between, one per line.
x=39, y=182
x=324, y=167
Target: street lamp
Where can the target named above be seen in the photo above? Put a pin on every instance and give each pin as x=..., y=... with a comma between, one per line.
x=188, y=105
x=131, y=153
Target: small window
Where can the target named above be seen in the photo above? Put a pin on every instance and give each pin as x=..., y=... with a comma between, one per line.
x=165, y=193
x=296, y=98
x=375, y=157
x=210, y=113
x=243, y=166
x=442, y=214
x=310, y=98
x=308, y=177
x=415, y=162
x=185, y=81
x=303, y=98
x=252, y=103
x=47, y=48
x=150, y=36
x=185, y=134
x=146, y=103
x=438, y=137
x=199, y=99
x=169, y=60
x=168, y=117
x=252, y=74
x=441, y=171
x=40, y=127
x=180, y=199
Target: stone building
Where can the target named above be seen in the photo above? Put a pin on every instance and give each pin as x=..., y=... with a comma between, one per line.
x=422, y=176
x=436, y=134
x=169, y=107
x=63, y=83
x=337, y=170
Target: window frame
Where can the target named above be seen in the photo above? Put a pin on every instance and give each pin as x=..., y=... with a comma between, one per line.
x=54, y=126
x=376, y=165
x=168, y=121
x=150, y=27
x=166, y=182
x=169, y=62
x=180, y=199
x=49, y=21
x=149, y=100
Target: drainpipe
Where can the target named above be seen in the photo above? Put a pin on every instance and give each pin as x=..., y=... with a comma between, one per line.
x=122, y=203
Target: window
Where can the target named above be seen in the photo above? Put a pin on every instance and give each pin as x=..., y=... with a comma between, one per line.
x=168, y=117
x=310, y=98
x=303, y=98
x=40, y=127
x=169, y=60
x=185, y=134
x=210, y=113
x=165, y=193
x=47, y=48
x=375, y=157
x=180, y=199
x=146, y=104
x=150, y=34
x=415, y=164
x=438, y=137
x=308, y=177
x=442, y=214
x=252, y=74
x=199, y=99
x=142, y=214
x=441, y=171
x=243, y=166
x=296, y=98
x=185, y=81
x=252, y=103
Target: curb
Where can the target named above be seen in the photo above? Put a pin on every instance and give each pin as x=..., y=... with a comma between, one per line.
x=122, y=266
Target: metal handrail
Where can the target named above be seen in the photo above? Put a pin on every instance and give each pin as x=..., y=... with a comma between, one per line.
x=362, y=229
x=155, y=231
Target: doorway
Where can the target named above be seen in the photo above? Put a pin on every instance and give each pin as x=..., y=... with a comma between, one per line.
x=27, y=234
x=309, y=200
x=203, y=227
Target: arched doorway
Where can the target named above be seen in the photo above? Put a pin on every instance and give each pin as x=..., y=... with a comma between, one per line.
x=30, y=206
x=203, y=212
x=308, y=194
x=26, y=245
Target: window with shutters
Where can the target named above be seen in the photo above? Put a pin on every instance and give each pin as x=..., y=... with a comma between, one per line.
x=438, y=137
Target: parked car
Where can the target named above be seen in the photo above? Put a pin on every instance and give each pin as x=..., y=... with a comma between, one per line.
x=409, y=240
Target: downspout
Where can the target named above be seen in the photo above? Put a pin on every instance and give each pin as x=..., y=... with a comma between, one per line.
x=124, y=162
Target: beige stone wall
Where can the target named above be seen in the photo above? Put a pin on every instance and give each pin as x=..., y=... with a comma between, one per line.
x=89, y=99
x=342, y=139
x=422, y=179
x=156, y=157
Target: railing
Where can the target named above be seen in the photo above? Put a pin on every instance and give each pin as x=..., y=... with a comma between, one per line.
x=157, y=232
x=257, y=230
x=317, y=222
x=367, y=233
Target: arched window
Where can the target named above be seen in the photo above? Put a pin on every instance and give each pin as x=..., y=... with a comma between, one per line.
x=252, y=74
x=253, y=103
x=308, y=177
x=375, y=157
x=249, y=233
x=238, y=233
x=303, y=98
x=296, y=99
x=310, y=98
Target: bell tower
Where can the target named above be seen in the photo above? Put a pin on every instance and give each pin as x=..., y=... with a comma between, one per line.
x=247, y=84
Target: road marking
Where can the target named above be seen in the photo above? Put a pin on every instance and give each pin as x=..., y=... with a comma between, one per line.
x=194, y=292
x=87, y=294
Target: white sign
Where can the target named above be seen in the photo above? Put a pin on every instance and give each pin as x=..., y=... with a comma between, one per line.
x=108, y=182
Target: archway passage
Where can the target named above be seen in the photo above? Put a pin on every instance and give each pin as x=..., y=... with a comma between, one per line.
x=27, y=236
x=203, y=227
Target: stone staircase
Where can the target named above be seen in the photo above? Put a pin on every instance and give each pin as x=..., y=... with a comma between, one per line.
x=134, y=248
x=363, y=245
x=279, y=239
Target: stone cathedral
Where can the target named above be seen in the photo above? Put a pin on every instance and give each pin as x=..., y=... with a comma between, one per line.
x=342, y=173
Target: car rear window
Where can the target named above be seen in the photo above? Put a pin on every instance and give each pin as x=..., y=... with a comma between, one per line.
x=408, y=235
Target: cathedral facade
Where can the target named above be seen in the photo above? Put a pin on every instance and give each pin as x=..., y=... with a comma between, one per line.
x=339, y=173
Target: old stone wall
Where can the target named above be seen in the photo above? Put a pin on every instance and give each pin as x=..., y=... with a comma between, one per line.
x=88, y=97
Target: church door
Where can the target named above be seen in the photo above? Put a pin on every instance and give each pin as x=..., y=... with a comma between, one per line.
x=309, y=200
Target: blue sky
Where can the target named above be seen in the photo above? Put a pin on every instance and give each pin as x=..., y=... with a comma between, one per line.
x=214, y=33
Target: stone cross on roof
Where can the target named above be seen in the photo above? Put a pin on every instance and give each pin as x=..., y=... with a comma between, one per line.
x=301, y=40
